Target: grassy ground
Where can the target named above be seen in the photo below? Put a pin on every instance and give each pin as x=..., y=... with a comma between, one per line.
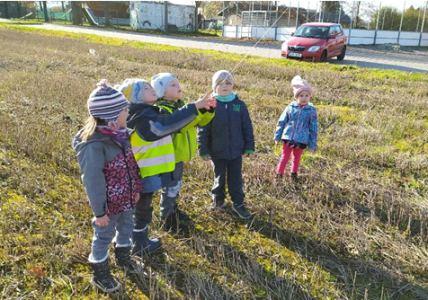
x=356, y=227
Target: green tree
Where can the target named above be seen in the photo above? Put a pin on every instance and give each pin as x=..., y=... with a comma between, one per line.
x=389, y=19
x=211, y=8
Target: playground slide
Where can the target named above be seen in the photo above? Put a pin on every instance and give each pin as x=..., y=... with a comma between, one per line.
x=87, y=12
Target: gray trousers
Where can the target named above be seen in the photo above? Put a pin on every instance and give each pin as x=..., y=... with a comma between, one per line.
x=119, y=228
x=170, y=192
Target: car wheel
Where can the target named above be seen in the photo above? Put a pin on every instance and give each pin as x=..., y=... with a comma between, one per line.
x=323, y=57
x=342, y=54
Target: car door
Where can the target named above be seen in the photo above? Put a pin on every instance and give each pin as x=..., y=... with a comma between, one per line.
x=341, y=39
x=332, y=42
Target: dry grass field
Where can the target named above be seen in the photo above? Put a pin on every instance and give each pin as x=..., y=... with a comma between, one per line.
x=355, y=228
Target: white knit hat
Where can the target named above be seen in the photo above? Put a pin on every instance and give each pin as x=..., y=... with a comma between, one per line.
x=160, y=82
x=221, y=76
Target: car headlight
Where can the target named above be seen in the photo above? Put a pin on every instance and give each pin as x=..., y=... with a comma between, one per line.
x=314, y=48
x=284, y=46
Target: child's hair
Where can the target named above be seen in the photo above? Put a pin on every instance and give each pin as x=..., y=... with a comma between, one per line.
x=90, y=127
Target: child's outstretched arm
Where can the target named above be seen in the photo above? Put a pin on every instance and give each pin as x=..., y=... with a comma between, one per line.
x=247, y=130
x=91, y=160
x=282, y=121
x=152, y=126
x=169, y=123
x=313, y=130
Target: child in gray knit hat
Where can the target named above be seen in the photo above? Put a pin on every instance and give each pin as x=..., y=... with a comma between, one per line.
x=111, y=180
x=224, y=141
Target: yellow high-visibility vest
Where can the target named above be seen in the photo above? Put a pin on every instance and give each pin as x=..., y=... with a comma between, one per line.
x=153, y=158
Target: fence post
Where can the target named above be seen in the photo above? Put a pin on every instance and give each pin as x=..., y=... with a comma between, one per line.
x=422, y=25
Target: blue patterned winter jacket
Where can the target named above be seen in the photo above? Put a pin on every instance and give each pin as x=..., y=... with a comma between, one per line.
x=298, y=124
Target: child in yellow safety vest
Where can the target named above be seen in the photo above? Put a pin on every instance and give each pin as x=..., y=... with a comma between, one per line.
x=169, y=95
x=153, y=150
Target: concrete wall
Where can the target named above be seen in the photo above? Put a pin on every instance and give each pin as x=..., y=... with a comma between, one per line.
x=355, y=36
x=151, y=15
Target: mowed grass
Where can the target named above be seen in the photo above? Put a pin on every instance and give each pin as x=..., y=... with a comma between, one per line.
x=356, y=227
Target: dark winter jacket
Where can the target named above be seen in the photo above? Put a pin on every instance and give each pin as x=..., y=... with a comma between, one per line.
x=230, y=133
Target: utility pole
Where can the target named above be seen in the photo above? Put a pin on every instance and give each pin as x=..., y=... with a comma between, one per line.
x=76, y=12
x=423, y=23
x=401, y=23
x=377, y=23
x=45, y=11
x=6, y=9
x=297, y=14
x=340, y=13
x=419, y=17
x=165, y=21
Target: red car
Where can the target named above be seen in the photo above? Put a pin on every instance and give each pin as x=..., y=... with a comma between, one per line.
x=316, y=42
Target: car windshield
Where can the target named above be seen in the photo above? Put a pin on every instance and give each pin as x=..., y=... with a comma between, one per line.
x=312, y=31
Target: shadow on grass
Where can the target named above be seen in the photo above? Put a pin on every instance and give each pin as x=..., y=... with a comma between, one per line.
x=357, y=275
x=264, y=283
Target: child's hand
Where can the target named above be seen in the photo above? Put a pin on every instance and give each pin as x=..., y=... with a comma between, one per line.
x=248, y=153
x=102, y=221
x=276, y=142
x=206, y=102
x=137, y=197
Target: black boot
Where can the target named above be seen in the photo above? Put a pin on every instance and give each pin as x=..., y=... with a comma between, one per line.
x=294, y=177
x=102, y=278
x=218, y=204
x=143, y=245
x=242, y=211
x=170, y=223
x=124, y=260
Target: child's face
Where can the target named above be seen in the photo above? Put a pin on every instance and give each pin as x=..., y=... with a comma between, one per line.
x=224, y=88
x=148, y=95
x=303, y=98
x=121, y=120
x=173, y=92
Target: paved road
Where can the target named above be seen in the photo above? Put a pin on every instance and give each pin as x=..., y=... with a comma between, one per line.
x=413, y=61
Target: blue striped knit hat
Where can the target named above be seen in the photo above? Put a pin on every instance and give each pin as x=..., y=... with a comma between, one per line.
x=106, y=102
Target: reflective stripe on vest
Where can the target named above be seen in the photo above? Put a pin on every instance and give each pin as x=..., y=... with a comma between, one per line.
x=153, y=158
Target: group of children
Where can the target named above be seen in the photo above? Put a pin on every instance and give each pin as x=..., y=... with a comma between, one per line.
x=136, y=141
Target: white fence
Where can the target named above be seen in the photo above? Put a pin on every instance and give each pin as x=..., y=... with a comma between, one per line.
x=355, y=36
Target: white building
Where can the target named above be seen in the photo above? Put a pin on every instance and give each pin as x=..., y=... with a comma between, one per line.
x=162, y=15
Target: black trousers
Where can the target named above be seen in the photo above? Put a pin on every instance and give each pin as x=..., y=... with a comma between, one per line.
x=143, y=211
x=229, y=170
